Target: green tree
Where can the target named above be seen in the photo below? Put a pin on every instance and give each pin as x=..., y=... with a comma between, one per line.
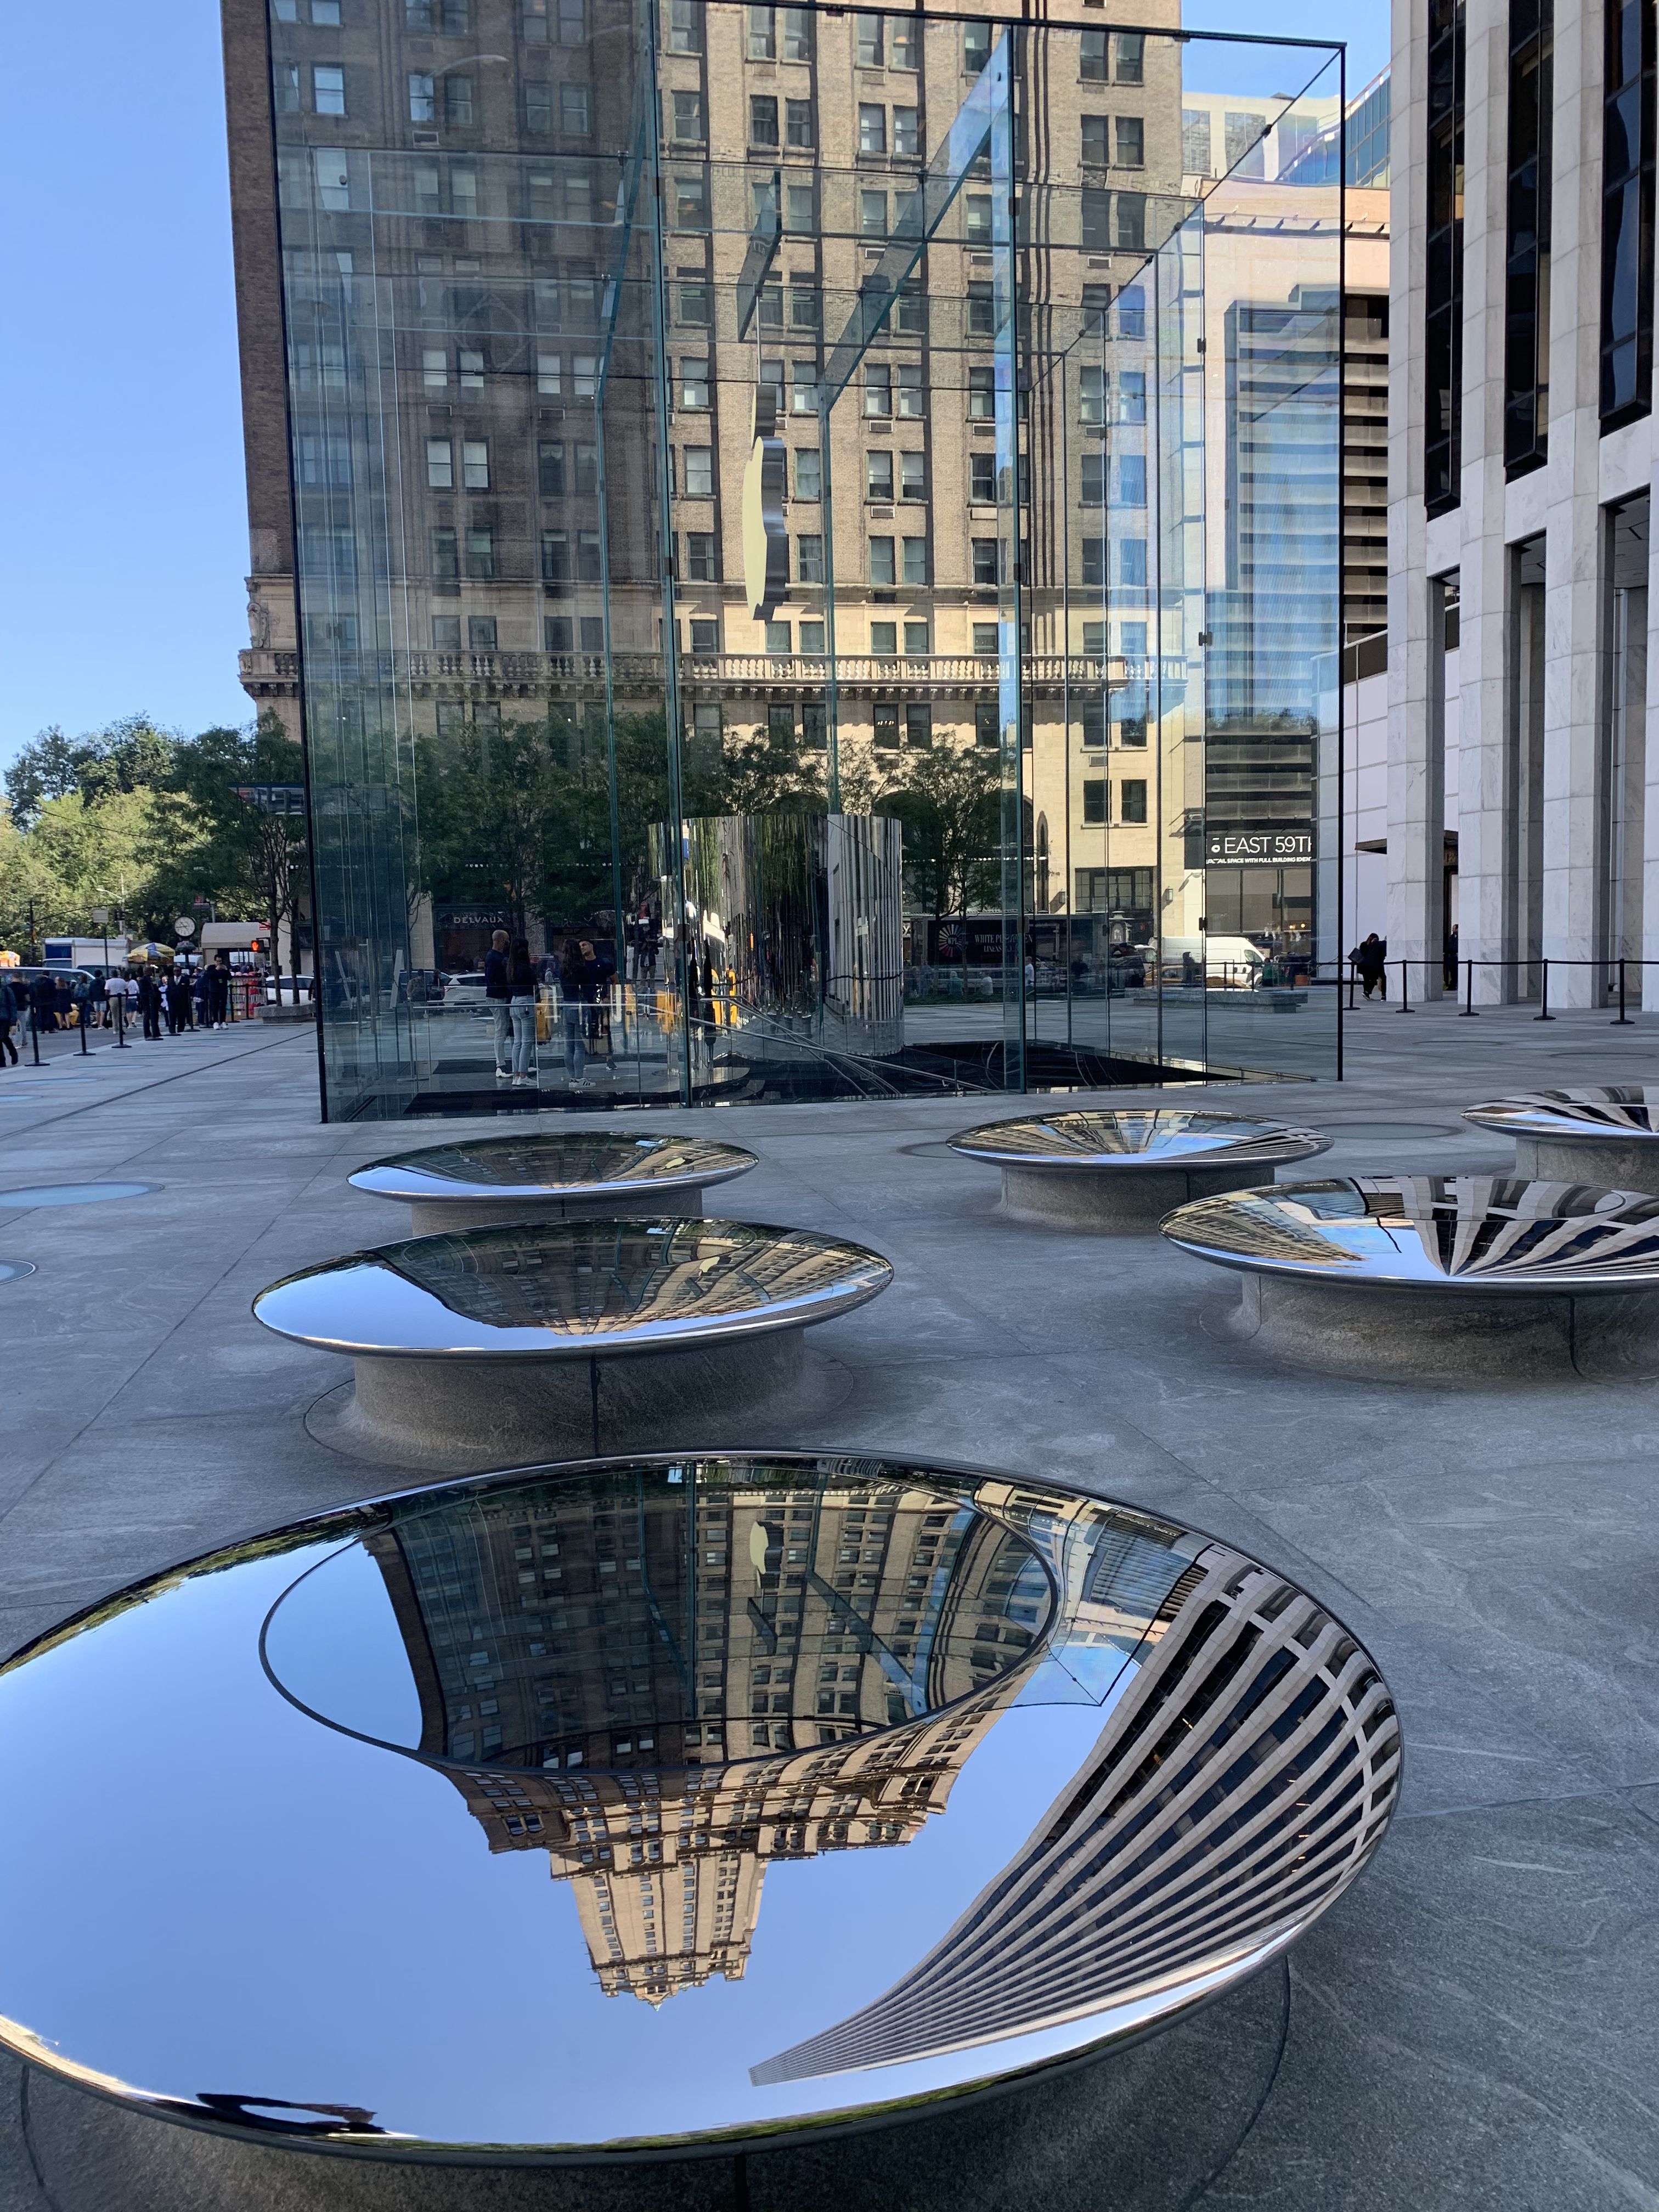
x=949, y=802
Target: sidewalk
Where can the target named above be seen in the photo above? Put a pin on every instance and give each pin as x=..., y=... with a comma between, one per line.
x=1477, y=2025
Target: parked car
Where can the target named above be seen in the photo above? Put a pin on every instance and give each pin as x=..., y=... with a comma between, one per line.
x=465, y=990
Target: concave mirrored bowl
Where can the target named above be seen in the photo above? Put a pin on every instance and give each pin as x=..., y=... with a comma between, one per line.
x=1622, y=1113
x=1498, y=1235
x=583, y=1163
x=658, y=1800
x=572, y=1289
x=1162, y=1138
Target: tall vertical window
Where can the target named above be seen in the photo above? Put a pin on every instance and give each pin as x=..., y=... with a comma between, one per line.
x=1526, y=275
x=1443, y=291
x=1627, y=135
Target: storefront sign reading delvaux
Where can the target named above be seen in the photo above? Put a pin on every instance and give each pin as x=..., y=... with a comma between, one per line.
x=765, y=546
x=1257, y=848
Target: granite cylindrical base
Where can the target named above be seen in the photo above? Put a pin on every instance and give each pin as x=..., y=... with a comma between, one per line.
x=433, y=1217
x=1364, y=1331
x=1129, y=1201
x=1602, y=1160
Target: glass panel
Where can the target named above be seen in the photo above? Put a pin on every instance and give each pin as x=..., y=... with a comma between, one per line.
x=816, y=585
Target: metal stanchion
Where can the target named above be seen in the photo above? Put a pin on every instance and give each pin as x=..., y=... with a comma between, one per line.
x=1466, y=1011
x=35, y=1033
x=81, y=1024
x=1544, y=1013
x=1624, y=1021
x=121, y=1023
x=1406, y=1005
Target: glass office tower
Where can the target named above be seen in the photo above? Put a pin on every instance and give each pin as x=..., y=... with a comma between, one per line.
x=825, y=525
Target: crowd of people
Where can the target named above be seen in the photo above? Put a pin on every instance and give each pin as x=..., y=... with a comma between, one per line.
x=511, y=980
x=157, y=1003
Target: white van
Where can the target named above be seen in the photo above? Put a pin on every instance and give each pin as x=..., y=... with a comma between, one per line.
x=1229, y=964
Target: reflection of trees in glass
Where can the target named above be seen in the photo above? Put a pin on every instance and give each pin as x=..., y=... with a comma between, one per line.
x=950, y=805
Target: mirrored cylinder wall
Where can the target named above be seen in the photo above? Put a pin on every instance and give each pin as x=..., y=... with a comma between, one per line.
x=821, y=529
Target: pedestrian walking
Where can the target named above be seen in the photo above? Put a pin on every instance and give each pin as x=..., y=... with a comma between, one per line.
x=10, y=1013
x=522, y=1010
x=100, y=1002
x=1371, y=960
x=498, y=995
x=577, y=977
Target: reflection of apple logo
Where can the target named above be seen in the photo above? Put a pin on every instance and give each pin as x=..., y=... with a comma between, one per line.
x=765, y=546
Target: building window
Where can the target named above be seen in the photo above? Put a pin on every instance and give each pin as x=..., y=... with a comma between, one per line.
x=803, y=387
x=1091, y=57
x=811, y=637
x=1195, y=157
x=481, y=553
x=1527, y=271
x=884, y=639
x=1627, y=212
x=797, y=122
x=1129, y=225
x=457, y=103
x=444, y=559
x=548, y=381
x=906, y=134
x=555, y=556
x=887, y=729
x=1132, y=562
x=982, y=394
x=976, y=218
x=588, y=470
x=1093, y=493
x=471, y=370
x=1131, y=132
x=699, y=564
x=914, y=554
x=795, y=30
x=983, y=553
x=1131, y=57
x=877, y=390
x=1096, y=218
x=873, y=215
x=286, y=74
x=1132, y=395
x=572, y=19
x=699, y=467
x=809, y=559
x=684, y=27
x=446, y=632
x=1443, y=289
x=814, y=728
x=1094, y=723
x=872, y=128
x=1094, y=564
x=762, y=34
x=912, y=399
x=1094, y=799
x=422, y=107
x=549, y=468
x=328, y=90
x=988, y=723
x=915, y=639
x=780, y=639
x=800, y=210
x=481, y=632
x=690, y=202
x=1132, y=799
x=556, y=633
x=693, y=381
x=982, y=480
x=763, y=120
x=807, y=464
x=912, y=476
x=692, y=301
x=706, y=639
x=1091, y=395
x=1132, y=313
x=1131, y=730
x=475, y=465
x=882, y=569
x=1132, y=480
x=688, y=116
x=805, y=311
x=879, y=475
x=872, y=52
x=588, y=570
x=918, y=727
x=576, y=111
x=440, y=465
x=982, y=317
x=1095, y=150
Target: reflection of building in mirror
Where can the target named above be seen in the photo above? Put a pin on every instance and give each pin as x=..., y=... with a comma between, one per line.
x=669, y=1690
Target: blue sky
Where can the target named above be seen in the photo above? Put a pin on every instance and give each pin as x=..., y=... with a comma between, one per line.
x=121, y=575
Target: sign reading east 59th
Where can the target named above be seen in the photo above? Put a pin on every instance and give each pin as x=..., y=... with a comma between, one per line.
x=1257, y=848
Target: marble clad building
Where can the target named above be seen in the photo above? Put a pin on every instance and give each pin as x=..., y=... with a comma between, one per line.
x=1522, y=466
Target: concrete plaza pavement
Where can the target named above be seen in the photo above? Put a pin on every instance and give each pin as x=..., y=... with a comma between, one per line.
x=1476, y=2024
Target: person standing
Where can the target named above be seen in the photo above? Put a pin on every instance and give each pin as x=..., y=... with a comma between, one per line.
x=219, y=991
x=178, y=1001
x=578, y=992
x=149, y=1004
x=1370, y=958
x=522, y=1010
x=498, y=992
x=10, y=1013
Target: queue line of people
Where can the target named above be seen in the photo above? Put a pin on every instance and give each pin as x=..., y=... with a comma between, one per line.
x=161, y=1005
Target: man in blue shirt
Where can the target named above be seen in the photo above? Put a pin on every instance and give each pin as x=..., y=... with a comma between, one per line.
x=498, y=989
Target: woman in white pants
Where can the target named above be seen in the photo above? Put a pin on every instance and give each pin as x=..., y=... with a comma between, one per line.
x=521, y=1008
